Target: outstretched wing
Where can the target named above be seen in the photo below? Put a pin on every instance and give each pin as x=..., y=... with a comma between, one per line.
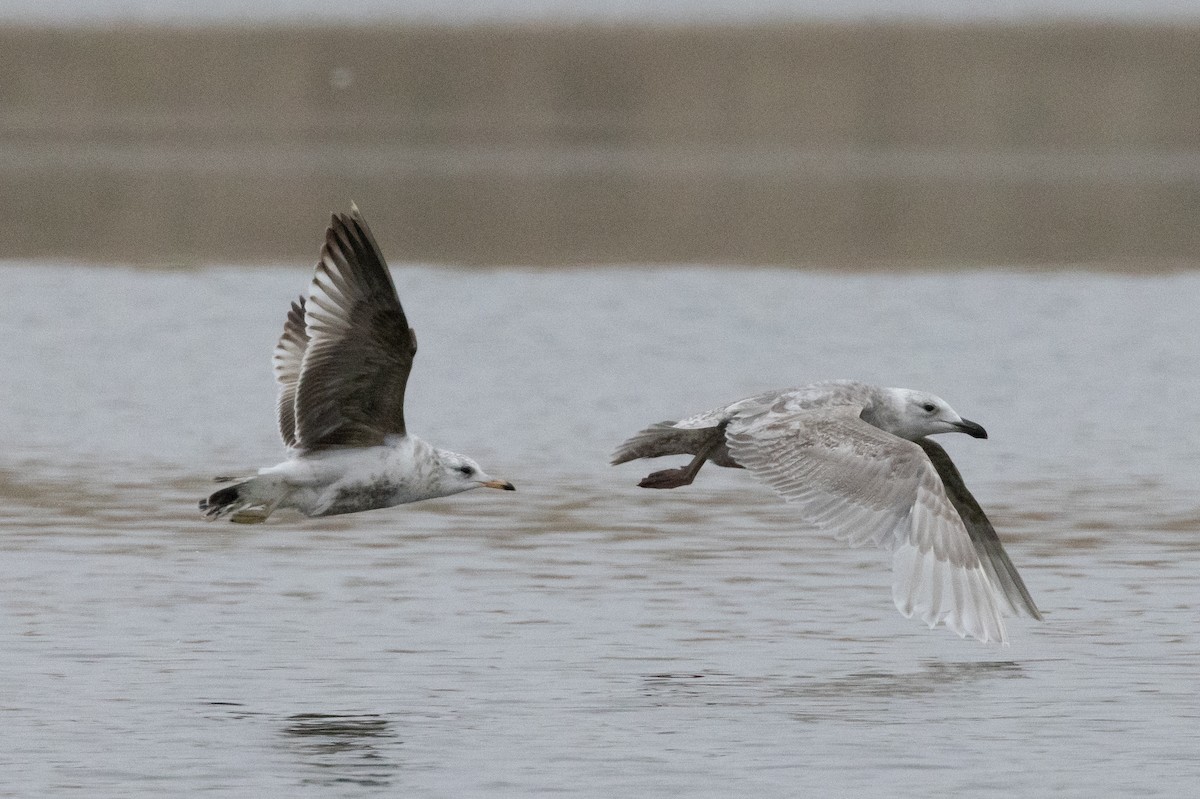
x=350, y=392
x=868, y=486
x=1000, y=569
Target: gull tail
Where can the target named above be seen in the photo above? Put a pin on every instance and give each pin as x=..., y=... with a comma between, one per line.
x=654, y=442
x=665, y=438
x=248, y=502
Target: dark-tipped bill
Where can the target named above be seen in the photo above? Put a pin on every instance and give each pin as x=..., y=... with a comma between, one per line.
x=504, y=485
x=972, y=429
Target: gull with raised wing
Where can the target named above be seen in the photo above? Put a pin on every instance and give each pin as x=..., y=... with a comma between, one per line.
x=342, y=364
x=857, y=460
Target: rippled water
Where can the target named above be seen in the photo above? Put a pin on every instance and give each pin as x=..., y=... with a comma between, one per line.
x=583, y=637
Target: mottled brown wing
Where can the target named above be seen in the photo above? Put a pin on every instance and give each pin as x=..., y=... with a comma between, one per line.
x=360, y=347
x=1000, y=569
x=288, y=358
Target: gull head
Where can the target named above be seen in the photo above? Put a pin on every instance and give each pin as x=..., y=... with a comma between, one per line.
x=916, y=414
x=458, y=473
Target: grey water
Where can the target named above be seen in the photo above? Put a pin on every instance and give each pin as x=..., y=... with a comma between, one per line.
x=583, y=637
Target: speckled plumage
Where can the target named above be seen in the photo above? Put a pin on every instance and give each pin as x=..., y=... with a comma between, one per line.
x=857, y=460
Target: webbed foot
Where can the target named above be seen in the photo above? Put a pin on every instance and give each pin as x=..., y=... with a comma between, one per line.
x=668, y=478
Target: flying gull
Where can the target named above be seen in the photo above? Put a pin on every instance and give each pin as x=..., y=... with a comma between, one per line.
x=857, y=460
x=342, y=364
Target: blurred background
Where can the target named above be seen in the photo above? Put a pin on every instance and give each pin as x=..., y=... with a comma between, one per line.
x=560, y=132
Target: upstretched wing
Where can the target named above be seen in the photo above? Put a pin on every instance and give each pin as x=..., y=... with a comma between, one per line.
x=868, y=486
x=359, y=352
x=1000, y=569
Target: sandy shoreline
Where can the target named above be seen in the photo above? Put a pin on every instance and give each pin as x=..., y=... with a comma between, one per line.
x=832, y=144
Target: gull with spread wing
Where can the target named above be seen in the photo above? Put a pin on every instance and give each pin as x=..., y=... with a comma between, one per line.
x=858, y=462
x=342, y=364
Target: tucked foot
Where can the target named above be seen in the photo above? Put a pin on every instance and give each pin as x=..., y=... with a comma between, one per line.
x=668, y=478
x=251, y=516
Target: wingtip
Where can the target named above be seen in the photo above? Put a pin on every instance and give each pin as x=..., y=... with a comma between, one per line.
x=355, y=224
x=349, y=219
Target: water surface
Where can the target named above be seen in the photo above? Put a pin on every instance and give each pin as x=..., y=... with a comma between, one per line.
x=583, y=637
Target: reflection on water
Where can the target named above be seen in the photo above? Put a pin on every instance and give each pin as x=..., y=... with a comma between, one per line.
x=825, y=696
x=342, y=749
x=581, y=636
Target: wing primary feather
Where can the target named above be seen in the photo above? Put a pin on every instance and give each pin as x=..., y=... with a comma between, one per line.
x=287, y=361
x=983, y=536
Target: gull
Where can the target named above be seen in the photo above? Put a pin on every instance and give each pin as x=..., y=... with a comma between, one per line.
x=342, y=364
x=857, y=460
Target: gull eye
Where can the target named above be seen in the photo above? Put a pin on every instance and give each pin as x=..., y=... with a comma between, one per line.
x=929, y=407
x=466, y=470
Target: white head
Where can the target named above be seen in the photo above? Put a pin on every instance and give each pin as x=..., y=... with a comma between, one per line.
x=457, y=473
x=916, y=414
